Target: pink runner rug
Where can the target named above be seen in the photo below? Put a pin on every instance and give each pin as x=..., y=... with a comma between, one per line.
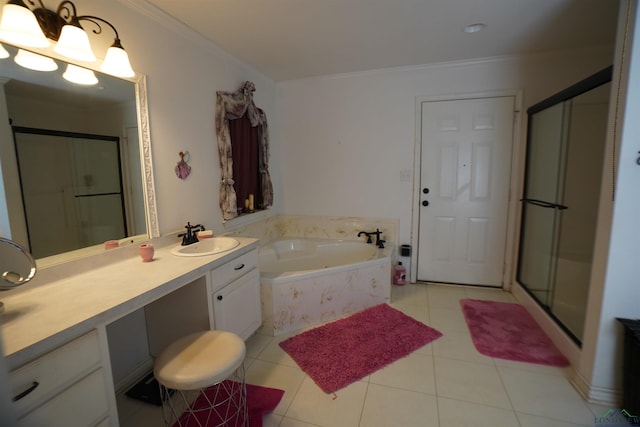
x=507, y=331
x=339, y=353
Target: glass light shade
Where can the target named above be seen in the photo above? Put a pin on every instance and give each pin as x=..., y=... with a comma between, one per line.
x=3, y=52
x=116, y=63
x=80, y=75
x=74, y=43
x=33, y=61
x=19, y=26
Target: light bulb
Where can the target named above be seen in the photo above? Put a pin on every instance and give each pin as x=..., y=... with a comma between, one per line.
x=19, y=26
x=33, y=61
x=74, y=43
x=116, y=62
x=79, y=75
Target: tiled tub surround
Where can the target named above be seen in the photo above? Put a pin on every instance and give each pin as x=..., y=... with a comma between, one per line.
x=303, y=297
x=318, y=227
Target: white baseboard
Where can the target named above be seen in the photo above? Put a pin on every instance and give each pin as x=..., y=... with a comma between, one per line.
x=592, y=394
x=598, y=395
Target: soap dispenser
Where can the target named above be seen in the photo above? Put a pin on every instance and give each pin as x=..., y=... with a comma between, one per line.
x=399, y=274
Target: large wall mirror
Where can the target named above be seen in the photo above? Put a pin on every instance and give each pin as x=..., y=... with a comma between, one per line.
x=76, y=162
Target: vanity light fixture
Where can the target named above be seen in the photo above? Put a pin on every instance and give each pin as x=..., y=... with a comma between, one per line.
x=79, y=75
x=33, y=61
x=62, y=26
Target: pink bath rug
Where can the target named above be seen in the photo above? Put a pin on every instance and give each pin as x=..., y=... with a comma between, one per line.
x=507, y=331
x=342, y=352
x=260, y=401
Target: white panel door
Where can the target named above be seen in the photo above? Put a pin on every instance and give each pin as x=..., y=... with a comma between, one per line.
x=465, y=173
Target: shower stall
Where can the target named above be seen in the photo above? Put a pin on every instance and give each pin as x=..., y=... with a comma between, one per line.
x=565, y=151
x=72, y=189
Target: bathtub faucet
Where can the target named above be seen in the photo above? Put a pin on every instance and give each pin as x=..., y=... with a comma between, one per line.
x=366, y=234
x=190, y=236
x=377, y=233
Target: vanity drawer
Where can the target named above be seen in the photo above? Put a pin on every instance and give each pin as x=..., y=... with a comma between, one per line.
x=54, y=371
x=233, y=269
x=82, y=404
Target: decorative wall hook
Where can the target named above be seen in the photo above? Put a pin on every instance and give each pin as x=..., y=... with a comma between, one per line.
x=182, y=168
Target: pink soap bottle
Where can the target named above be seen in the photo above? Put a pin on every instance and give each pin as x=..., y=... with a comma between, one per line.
x=399, y=274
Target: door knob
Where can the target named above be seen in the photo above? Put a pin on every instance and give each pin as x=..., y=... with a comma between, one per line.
x=219, y=297
x=425, y=203
x=425, y=190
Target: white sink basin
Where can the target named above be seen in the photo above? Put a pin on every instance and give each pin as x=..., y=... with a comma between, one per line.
x=209, y=246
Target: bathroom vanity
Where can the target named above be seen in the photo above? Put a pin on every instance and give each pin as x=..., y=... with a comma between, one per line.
x=56, y=330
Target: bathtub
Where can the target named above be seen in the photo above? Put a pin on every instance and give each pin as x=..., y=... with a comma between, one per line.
x=305, y=282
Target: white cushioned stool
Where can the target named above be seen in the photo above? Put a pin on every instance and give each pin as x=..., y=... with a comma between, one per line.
x=206, y=370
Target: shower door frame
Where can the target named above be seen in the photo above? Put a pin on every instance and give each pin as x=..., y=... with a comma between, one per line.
x=70, y=135
x=596, y=80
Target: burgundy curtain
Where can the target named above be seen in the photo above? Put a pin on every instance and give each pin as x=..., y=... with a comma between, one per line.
x=245, y=155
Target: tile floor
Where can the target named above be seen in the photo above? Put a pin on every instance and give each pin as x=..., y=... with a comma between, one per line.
x=446, y=383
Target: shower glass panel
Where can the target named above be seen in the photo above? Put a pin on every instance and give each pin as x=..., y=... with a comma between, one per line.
x=545, y=174
x=71, y=189
x=567, y=134
x=98, y=189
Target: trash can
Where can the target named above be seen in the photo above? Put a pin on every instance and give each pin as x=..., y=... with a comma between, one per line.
x=631, y=366
x=405, y=250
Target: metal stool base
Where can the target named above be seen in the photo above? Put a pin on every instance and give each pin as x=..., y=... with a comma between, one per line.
x=222, y=404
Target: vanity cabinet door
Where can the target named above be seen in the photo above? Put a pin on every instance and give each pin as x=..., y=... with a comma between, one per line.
x=236, y=307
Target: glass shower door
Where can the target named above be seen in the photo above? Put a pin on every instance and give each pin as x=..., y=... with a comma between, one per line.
x=565, y=151
x=98, y=194
x=540, y=204
x=586, y=140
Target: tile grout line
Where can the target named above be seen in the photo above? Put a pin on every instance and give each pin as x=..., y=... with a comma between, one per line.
x=364, y=401
x=507, y=392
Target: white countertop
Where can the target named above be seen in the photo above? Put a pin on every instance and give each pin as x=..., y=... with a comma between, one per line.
x=42, y=315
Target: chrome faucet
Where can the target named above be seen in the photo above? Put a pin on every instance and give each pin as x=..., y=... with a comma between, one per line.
x=190, y=236
x=379, y=242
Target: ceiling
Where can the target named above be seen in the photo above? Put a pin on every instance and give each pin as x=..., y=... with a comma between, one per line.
x=292, y=39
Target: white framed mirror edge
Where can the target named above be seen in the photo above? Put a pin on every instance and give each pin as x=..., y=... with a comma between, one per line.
x=153, y=228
